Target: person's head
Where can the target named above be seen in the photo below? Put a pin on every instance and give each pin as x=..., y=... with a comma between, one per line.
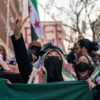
x=71, y=57
x=33, y=51
x=84, y=58
x=53, y=53
x=85, y=46
x=83, y=67
x=53, y=61
x=3, y=52
x=77, y=49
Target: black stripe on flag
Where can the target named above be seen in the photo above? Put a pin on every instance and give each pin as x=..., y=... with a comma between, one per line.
x=33, y=34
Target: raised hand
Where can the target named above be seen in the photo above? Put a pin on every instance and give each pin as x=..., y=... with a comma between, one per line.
x=18, y=26
x=91, y=84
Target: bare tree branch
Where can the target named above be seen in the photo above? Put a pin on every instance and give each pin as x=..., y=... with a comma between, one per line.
x=77, y=7
x=74, y=29
x=88, y=15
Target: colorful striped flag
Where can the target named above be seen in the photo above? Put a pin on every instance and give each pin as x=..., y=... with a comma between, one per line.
x=36, y=29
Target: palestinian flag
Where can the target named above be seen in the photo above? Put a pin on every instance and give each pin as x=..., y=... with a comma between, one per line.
x=36, y=29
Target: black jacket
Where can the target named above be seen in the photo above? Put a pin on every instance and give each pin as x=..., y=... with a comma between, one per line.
x=24, y=65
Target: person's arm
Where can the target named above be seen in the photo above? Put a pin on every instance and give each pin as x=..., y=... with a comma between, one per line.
x=95, y=74
x=93, y=78
x=4, y=65
x=21, y=55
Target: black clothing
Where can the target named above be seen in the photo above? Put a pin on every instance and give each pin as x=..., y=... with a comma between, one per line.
x=53, y=66
x=24, y=65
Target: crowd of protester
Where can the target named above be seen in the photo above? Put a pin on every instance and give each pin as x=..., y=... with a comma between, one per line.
x=8, y=69
x=48, y=63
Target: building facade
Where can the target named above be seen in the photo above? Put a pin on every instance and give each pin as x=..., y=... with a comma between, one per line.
x=53, y=32
x=9, y=10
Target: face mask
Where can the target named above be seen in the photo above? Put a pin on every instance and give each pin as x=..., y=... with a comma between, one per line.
x=82, y=67
x=53, y=66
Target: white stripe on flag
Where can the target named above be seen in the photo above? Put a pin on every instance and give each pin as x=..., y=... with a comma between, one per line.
x=33, y=18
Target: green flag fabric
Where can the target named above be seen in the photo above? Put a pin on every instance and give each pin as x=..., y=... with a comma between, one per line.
x=71, y=90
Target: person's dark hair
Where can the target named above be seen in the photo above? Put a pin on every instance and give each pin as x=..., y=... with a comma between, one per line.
x=34, y=48
x=48, y=46
x=4, y=52
x=71, y=57
x=89, y=45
